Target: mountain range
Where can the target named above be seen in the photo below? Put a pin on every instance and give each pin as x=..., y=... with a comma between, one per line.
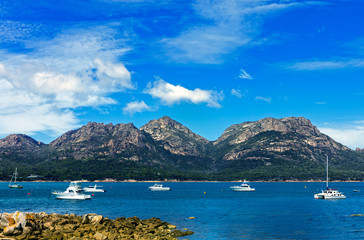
x=269, y=149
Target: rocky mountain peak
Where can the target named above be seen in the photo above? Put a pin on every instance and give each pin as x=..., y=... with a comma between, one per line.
x=102, y=140
x=293, y=134
x=19, y=140
x=246, y=130
x=175, y=137
x=95, y=132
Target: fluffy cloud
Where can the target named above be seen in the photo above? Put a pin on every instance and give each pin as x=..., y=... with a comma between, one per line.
x=40, y=91
x=351, y=135
x=25, y=112
x=136, y=107
x=170, y=94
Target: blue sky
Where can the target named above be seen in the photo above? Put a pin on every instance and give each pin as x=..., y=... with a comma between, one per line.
x=207, y=64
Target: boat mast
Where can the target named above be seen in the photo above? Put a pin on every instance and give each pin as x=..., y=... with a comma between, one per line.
x=16, y=173
x=327, y=172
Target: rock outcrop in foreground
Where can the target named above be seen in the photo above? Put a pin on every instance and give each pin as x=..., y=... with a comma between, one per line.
x=41, y=225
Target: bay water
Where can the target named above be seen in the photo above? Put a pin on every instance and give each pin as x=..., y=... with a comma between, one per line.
x=274, y=211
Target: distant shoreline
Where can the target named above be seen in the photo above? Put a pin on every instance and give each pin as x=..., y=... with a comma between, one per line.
x=186, y=181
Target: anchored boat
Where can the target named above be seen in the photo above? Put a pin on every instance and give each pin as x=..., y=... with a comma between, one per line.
x=14, y=184
x=73, y=192
x=159, y=187
x=244, y=187
x=329, y=193
x=93, y=189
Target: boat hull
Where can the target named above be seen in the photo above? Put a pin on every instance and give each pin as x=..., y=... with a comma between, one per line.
x=334, y=197
x=16, y=186
x=329, y=196
x=73, y=196
x=239, y=189
x=319, y=196
x=93, y=190
x=160, y=189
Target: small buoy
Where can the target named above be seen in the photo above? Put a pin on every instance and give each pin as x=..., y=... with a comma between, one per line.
x=305, y=186
x=191, y=218
x=204, y=192
x=28, y=193
x=92, y=194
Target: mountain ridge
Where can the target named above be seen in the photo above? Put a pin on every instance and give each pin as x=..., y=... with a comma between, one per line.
x=285, y=148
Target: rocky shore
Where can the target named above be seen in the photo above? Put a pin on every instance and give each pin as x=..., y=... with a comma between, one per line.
x=20, y=225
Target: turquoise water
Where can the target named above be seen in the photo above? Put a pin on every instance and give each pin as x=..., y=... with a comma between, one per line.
x=274, y=211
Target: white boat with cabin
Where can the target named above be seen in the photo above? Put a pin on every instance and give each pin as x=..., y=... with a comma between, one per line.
x=244, y=187
x=93, y=189
x=159, y=187
x=329, y=193
x=73, y=192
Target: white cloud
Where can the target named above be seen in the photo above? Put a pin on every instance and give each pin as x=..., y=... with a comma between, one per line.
x=350, y=135
x=136, y=107
x=265, y=99
x=321, y=103
x=170, y=94
x=24, y=112
x=245, y=75
x=221, y=26
x=41, y=90
x=38, y=119
x=118, y=77
x=236, y=93
x=327, y=65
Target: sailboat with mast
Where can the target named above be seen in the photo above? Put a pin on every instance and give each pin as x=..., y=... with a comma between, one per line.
x=14, y=184
x=329, y=193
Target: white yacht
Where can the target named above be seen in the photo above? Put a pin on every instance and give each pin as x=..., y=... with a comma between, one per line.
x=244, y=187
x=73, y=192
x=93, y=189
x=159, y=187
x=329, y=193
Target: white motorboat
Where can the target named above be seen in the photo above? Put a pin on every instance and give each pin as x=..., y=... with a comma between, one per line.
x=244, y=187
x=159, y=187
x=329, y=193
x=73, y=192
x=93, y=189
